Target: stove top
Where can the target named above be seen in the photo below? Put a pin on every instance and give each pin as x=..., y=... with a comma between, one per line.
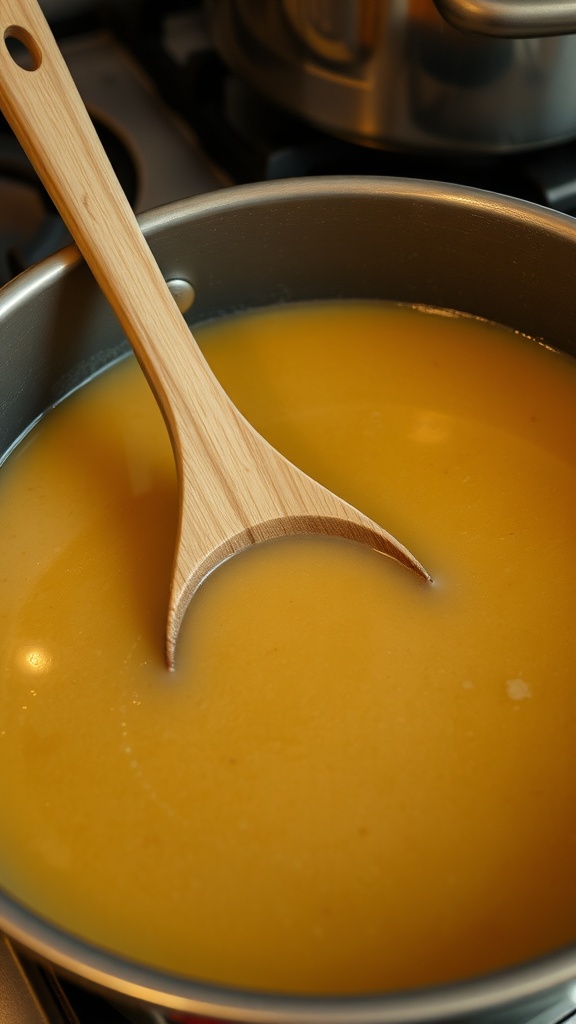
x=177, y=123
x=155, y=153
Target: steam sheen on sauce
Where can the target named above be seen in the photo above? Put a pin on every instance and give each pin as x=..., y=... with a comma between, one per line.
x=353, y=781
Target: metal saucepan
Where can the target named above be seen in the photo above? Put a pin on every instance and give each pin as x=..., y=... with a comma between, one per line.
x=437, y=76
x=413, y=241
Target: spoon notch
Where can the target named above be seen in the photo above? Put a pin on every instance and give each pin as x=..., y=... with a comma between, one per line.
x=235, y=489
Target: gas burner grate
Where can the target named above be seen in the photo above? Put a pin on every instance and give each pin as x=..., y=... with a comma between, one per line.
x=30, y=227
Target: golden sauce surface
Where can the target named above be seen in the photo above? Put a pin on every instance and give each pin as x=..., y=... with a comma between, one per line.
x=353, y=781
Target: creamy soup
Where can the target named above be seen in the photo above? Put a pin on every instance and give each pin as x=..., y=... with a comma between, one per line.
x=354, y=781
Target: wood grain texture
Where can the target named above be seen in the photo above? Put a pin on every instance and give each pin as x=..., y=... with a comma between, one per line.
x=235, y=489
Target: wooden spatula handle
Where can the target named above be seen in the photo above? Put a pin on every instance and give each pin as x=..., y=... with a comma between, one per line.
x=234, y=488
x=49, y=118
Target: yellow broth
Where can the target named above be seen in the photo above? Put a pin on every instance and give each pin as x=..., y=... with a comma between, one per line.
x=354, y=781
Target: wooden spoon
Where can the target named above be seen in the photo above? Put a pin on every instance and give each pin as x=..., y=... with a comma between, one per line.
x=235, y=489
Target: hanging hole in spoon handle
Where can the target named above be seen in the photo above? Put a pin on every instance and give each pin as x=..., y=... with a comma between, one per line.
x=22, y=48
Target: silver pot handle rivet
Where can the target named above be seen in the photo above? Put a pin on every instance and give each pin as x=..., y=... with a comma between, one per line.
x=183, y=293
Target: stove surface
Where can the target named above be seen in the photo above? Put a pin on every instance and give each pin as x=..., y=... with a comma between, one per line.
x=154, y=151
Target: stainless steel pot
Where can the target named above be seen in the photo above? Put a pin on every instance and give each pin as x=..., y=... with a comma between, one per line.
x=395, y=73
x=412, y=241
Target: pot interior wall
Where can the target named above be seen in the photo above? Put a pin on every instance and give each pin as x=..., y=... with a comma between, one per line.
x=416, y=242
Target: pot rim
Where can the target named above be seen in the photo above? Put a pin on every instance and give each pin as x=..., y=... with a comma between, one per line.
x=549, y=978
x=114, y=973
